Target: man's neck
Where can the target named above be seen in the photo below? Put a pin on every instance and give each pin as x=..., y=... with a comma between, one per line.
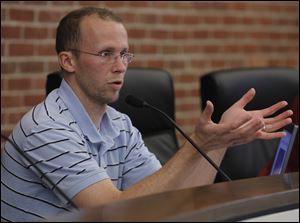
x=95, y=113
x=94, y=109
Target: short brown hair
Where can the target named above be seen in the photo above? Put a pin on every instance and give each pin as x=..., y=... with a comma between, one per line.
x=68, y=30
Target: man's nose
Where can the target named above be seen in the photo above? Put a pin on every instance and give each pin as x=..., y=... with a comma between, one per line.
x=120, y=64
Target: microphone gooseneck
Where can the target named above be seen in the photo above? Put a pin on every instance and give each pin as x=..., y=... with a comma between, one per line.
x=19, y=150
x=136, y=102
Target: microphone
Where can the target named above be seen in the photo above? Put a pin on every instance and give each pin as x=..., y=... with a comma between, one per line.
x=136, y=102
x=19, y=150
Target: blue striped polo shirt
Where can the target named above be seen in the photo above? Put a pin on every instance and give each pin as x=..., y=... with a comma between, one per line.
x=59, y=137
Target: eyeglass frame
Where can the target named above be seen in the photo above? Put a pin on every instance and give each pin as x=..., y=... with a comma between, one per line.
x=112, y=56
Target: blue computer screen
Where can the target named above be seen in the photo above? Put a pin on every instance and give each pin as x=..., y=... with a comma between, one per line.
x=282, y=150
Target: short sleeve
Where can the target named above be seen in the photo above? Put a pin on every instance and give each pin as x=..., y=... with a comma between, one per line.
x=63, y=156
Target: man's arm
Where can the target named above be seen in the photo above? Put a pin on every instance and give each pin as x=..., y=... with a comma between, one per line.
x=185, y=169
x=188, y=168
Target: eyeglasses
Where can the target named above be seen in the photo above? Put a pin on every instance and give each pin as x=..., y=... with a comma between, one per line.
x=107, y=56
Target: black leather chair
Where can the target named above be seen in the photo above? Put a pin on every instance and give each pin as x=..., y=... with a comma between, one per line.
x=53, y=81
x=224, y=87
x=154, y=86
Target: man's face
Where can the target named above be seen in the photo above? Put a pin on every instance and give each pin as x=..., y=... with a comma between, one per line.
x=96, y=80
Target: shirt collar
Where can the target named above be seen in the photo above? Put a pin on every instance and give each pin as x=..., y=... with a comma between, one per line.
x=108, y=129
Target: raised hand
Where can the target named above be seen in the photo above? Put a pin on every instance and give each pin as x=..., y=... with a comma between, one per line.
x=270, y=124
x=238, y=126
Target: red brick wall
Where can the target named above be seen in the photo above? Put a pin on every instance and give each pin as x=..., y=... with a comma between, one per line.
x=185, y=38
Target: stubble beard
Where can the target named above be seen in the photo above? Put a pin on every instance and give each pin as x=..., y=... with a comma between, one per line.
x=102, y=98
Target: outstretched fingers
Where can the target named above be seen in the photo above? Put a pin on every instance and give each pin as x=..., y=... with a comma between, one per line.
x=279, y=117
x=270, y=135
x=275, y=123
x=272, y=109
x=246, y=98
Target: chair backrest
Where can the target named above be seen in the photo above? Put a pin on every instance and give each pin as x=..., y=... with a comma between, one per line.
x=224, y=87
x=154, y=86
x=53, y=81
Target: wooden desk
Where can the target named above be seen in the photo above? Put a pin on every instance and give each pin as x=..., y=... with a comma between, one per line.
x=226, y=201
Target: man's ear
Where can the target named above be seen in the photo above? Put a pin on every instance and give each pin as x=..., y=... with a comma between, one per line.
x=66, y=61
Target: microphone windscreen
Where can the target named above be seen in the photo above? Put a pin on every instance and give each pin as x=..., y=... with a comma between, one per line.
x=134, y=101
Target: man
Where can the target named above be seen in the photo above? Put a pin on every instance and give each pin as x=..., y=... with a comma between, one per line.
x=80, y=144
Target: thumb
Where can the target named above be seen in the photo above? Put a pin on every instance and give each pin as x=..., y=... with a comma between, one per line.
x=246, y=98
x=208, y=111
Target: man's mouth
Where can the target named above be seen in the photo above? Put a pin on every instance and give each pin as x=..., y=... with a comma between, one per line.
x=116, y=84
